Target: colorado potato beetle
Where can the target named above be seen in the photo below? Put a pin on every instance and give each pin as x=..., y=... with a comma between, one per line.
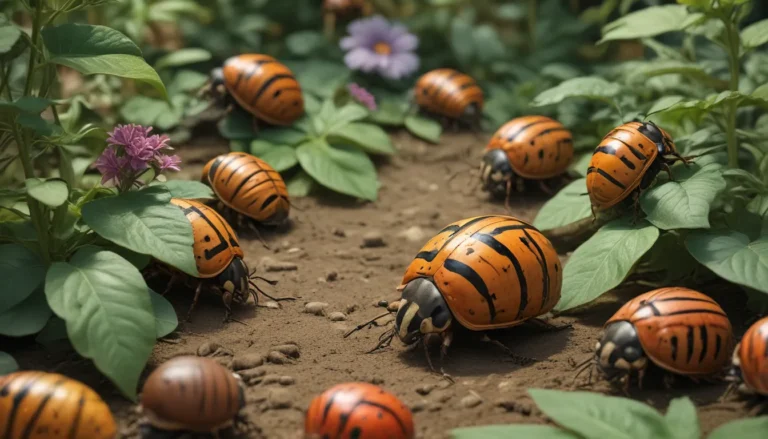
x=248, y=186
x=192, y=394
x=262, y=86
x=678, y=329
x=358, y=410
x=627, y=161
x=749, y=370
x=449, y=93
x=39, y=405
x=526, y=148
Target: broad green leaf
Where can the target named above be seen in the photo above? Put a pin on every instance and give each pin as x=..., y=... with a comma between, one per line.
x=188, y=189
x=237, y=125
x=754, y=35
x=166, y=319
x=99, y=49
x=571, y=204
x=424, y=128
x=604, y=261
x=391, y=112
x=669, y=255
x=26, y=318
x=595, y=416
x=282, y=136
x=146, y=222
x=106, y=305
x=687, y=69
x=340, y=117
x=28, y=104
x=512, y=431
x=183, y=57
x=592, y=87
x=22, y=271
x=731, y=255
x=187, y=81
x=52, y=192
x=318, y=77
x=754, y=428
x=647, y=22
x=280, y=157
x=488, y=45
x=38, y=125
x=303, y=42
x=685, y=202
x=9, y=36
x=345, y=170
x=300, y=185
x=138, y=260
x=370, y=138
x=664, y=103
x=7, y=364
x=682, y=419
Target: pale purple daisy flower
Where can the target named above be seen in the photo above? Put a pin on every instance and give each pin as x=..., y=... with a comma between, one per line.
x=362, y=96
x=376, y=45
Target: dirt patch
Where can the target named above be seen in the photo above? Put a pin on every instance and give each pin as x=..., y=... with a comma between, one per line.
x=325, y=260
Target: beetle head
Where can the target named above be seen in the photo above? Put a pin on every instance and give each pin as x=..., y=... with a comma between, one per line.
x=619, y=351
x=422, y=311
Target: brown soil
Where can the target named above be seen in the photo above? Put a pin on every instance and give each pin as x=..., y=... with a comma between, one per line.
x=325, y=238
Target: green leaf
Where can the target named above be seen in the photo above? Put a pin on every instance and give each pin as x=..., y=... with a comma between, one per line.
x=592, y=87
x=424, y=128
x=318, y=77
x=22, y=272
x=303, y=43
x=754, y=35
x=682, y=419
x=664, y=103
x=188, y=189
x=280, y=157
x=282, y=136
x=7, y=364
x=512, y=431
x=237, y=125
x=28, y=104
x=105, y=302
x=488, y=45
x=52, y=192
x=647, y=22
x=99, y=49
x=369, y=137
x=166, y=319
x=462, y=44
x=571, y=204
x=9, y=36
x=685, y=202
x=345, y=170
x=144, y=110
x=300, y=185
x=144, y=221
x=731, y=255
x=28, y=317
x=183, y=57
x=604, y=261
x=595, y=416
x=687, y=69
x=340, y=117
x=754, y=428
x=391, y=112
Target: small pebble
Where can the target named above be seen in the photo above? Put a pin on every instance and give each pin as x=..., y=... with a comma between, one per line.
x=316, y=308
x=207, y=349
x=250, y=374
x=373, y=239
x=278, y=358
x=272, y=305
x=425, y=389
x=443, y=395
x=349, y=309
x=331, y=276
x=247, y=361
x=337, y=316
x=340, y=233
x=286, y=380
x=290, y=349
x=382, y=303
x=413, y=234
x=419, y=406
x=271, y=379
x=279, y=398
x=434, y=407
x=471, y=400
x=272, y=265
x=293, y=250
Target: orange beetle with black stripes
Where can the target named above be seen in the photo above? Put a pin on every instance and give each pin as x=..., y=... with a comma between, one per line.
x=249, y=186
x=449, y=93
x=192, y=394
x=526, y=148
x=678, y=329
x=40, y=405
x=360, y=411
x=262, y=86
x=627, y=161
x=749, y=368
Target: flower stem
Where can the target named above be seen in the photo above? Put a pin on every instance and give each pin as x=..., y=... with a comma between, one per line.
x=732, y=36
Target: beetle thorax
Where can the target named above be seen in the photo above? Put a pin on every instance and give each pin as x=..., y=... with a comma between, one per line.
x=422, y=311
x=619, y=351
x=496, y=171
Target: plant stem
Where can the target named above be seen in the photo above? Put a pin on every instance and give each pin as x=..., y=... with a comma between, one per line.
x=732, y=35
x=531, y=25
x=32, y=55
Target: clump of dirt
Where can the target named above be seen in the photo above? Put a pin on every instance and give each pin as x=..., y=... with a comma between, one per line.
x=340, y=258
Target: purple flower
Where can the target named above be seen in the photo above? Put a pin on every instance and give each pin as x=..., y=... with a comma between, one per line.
x=169, y=162
x=376, y=45
x=110, y=165
x=125, y=134
x=363, y=96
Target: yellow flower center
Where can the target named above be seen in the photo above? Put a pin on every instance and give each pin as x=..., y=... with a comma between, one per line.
x=382, y=48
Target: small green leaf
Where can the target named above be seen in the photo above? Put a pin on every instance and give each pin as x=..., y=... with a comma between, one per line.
x=52, y=192
x=604, y=261
x=9, y=36
x=345, y=170
x=571, y=204
x=368, y=137
x=99, y=49
x=183, y=57
x=282, y=136
x=424, y=128
x=318, y=77
x=300, y=185
x=754, y=428
x=647, y=22
x=731, y=255
x=22, y=272
x=144, y=221
x=237, y=125
x=754, y=35
x=280, y=157
x=7, y=364
x=304, y=42
x=664, y=103
x=512, y=431
x=463, y=46
x=595, y=416
x=685, y=202
x=682, y=419
x=105, y=302
x=592, y=87
x=390, y=112
x=340, y=117
x=28, y=317
x=28, y=104
x=189, y=189
x=166, y=319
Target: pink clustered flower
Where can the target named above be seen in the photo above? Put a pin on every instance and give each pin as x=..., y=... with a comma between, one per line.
x=132, y=151
x=362, y=96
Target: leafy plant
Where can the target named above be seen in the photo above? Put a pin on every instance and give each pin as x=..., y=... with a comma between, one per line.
x=587, y=415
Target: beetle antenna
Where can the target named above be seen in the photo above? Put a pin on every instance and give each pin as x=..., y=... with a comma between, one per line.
x=384, y=341
x=371, y=322
x=276, y=299
x=584, y=366
x=269, y=281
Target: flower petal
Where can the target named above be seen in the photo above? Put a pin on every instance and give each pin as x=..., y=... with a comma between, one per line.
x=405, y=43
x=357, y=58
x=403, y=64
x=349, y=43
